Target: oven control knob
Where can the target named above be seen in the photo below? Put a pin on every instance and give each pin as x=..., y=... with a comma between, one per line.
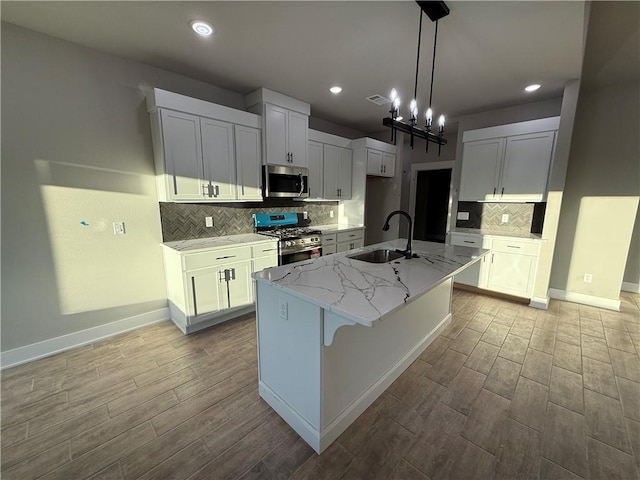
x=287, y=243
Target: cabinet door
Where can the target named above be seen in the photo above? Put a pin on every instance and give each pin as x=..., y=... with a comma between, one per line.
x=261, y=263
x=248, y=163
x=345, y=173
x=388, y=164
x=240, y=287
x=511, y=273
x=331, y=172
x=329, y=249
x=315, y=169
x=297, y=138
x=481, y=161
x=205, y=291
x=526, y=167
x=350, y=245
x=219, y=158
x=275, y=134
x=374, y=162
x=183, y=156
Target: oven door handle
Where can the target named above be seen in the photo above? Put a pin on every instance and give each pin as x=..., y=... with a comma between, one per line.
x=308, y=249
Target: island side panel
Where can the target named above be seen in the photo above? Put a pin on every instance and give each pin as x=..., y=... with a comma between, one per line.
x=363, y=361
x=289, y=339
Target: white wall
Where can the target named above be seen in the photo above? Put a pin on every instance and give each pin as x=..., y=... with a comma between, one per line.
x=76, y=146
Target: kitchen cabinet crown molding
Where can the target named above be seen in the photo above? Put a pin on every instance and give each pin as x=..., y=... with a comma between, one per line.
x=264, y=95
x=511, y=129
x=158, y=98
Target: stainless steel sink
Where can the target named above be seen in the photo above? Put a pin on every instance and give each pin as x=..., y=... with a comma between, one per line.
x=377, y=256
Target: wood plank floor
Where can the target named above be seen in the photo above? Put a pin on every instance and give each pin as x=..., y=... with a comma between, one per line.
x=505, y=392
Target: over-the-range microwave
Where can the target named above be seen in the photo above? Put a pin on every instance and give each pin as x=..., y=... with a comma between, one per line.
x=284, y=181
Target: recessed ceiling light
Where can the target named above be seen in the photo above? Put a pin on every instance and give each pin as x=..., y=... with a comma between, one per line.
x=532, y=88
x=335, y=90
x=202, y=28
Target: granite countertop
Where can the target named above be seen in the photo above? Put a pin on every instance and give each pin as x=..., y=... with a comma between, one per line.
x=336, y=228
x=366, y=292
x=498, y=233
x=216, y=242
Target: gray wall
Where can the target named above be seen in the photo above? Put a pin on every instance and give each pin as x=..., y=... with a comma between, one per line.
x=76, y=147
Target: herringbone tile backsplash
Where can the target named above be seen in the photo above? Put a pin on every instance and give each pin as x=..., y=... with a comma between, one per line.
x=184, y=221
x=488, y=216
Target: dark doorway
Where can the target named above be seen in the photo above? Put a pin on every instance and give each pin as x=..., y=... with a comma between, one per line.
x=432, y=205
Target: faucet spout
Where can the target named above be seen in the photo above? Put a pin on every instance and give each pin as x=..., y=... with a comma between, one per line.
x=407, y=253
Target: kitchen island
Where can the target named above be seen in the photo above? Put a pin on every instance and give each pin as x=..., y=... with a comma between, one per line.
x=335, y=332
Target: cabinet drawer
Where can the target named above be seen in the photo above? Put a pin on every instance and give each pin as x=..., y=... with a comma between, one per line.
x=328, y=239
x=265, y=250
x=211, y=259
x=466, y=240
x=514, y=246
x=350, y=236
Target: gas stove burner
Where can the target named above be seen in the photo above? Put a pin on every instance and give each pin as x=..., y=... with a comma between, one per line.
x=292, y=232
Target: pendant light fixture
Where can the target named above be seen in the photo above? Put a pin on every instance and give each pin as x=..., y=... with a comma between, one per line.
x=435, y=11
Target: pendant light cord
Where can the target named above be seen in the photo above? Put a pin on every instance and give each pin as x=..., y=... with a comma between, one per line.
x=415, y=88
x=433, y=64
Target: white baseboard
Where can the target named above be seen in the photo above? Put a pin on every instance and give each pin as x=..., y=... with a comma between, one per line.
x=631, y=287
x=34, y=351
x=584, y=299
x=539, y=302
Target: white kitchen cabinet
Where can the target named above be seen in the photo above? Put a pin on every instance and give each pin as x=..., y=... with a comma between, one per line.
x=285, y=124
x=316, y=169
x=476, y=274
x=178, y=135
x=380, y=164
x=508, y=163
x=204, y=152
x=349, y=240
x=510, y=266
x=218, y=158
x=212, y=285
x=388, y=164
x=338, y=167
x=248, y=163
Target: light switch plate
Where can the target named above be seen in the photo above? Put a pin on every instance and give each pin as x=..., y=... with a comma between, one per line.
x=118, y=228
x=331, y=213
x=305, y=215
x=505, y=218
x=208, y=221
x=463, y=216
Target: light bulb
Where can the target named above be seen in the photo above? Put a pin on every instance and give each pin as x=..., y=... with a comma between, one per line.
x=413, y=108
x=429, y=116
x=441, y=121
x=393, y=95
x=396, y=103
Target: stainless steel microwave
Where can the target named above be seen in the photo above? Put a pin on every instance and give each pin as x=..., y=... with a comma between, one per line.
x=287, y=182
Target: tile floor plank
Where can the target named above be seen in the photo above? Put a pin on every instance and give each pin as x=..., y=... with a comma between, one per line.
x=564, y=439
x=605, y=421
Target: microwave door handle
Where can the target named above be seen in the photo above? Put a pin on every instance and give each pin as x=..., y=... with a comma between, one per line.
x=301, y=185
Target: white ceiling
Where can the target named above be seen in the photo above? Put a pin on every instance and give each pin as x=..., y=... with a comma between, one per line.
x=487, y=51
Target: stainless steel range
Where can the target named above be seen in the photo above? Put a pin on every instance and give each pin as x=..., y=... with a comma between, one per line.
x=295, y=243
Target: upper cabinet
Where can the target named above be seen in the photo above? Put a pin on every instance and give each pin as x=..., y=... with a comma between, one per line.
x=509, y=163
x=285, y=123
x=380, y=157
x=330, y=166
x=204, y=152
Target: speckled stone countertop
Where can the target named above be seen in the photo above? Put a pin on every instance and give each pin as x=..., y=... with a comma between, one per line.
x=336, y=228
x=366, y=292
x=216, y=242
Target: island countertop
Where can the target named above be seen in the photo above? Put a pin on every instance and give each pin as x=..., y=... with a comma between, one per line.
x=366, y=292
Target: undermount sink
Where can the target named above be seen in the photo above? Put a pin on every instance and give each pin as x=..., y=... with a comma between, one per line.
x=377, y=256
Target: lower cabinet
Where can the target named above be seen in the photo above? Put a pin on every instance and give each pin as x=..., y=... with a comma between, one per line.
x=509, y=268
x=346, y=246
x=342, y=241
x=211, y=286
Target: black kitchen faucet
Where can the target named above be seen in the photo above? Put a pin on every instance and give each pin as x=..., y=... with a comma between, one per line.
x=407, y=253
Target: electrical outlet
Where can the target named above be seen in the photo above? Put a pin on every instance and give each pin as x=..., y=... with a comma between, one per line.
x=305, y=215
x=588, y=277
x=208, y=221
x=283, y=310
x=118, y=228
x=331, y=213
x=505, y=218
x=463, y=216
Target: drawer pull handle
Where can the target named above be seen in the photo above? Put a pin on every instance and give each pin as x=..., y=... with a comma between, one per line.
x=469, y=241
x=270, y=250
x=228, y=256
x=513, y=246
x=195, y=300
